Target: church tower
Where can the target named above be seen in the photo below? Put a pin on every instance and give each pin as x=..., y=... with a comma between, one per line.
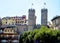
x=0, y=23
x=44, y=15
x=31, y=19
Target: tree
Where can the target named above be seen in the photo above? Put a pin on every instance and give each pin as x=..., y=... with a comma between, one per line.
x=41, y=35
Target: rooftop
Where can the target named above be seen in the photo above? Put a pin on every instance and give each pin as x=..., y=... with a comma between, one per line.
x=55, y=18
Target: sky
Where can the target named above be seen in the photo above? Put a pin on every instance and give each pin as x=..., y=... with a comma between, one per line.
x=21, y=7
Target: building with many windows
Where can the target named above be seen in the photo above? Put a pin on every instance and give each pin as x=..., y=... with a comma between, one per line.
x=14, y=20
x=7, y=21
x=19, y=22
x=8, y=34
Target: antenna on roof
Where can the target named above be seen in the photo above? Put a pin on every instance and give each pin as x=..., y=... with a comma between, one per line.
x=32, y=5
x=44, y=4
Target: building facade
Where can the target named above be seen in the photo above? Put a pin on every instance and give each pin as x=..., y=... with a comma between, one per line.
x=8, y=34
x=7, y=21
x=18, y=21
x=44, y=15
x=56, y=22
x=14, y=20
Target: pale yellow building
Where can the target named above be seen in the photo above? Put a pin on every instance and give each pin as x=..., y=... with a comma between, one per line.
x=4, y=21
x=9, y=30
x=8, y=33
x=14, y=20
x=19, y=22
x=7, y=21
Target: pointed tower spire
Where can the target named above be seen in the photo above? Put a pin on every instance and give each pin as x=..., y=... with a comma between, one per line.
x=44, y=15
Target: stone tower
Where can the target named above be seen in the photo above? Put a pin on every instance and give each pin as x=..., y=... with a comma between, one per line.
x=0, y=23
x=44, y=12
x=31, y=19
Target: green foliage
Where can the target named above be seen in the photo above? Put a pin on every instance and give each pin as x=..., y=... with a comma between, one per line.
x=42, y=35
